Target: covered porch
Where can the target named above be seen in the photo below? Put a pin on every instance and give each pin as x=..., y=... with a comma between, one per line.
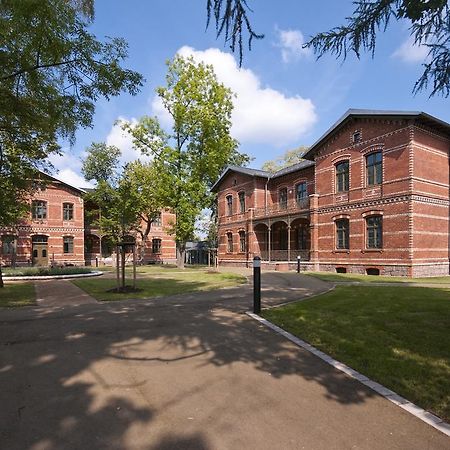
x=282, y=239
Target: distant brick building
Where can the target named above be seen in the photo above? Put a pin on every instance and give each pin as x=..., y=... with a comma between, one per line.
x=57, y=232
x=371, y=197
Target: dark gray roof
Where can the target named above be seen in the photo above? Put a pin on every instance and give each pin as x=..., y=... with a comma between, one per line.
x=239, y=169
x=293, y=168
x=361, y=113
x=263, y=173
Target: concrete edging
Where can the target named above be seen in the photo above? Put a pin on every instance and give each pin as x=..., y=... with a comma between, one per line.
x=393, y=397
x=53, y=277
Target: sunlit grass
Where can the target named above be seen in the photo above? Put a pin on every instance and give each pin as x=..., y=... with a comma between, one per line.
x=398, y=336
x=354, y=277
x=17, y=294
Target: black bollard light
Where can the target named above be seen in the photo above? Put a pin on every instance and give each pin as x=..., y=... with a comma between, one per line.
x=298, y=263
x=256, y=284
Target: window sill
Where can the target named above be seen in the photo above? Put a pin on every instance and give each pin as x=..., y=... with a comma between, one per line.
x=372, y=250
x=341, y=250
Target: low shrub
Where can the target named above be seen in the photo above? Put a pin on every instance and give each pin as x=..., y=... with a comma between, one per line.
x=44, y=271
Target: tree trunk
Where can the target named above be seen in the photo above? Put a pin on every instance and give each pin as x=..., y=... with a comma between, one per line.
x=123, y=266
x=117, y=268
x=134, y=267
x=181, y=252
x=1, y=275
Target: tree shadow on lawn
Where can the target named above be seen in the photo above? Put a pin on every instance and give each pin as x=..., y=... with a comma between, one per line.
x=100, y=376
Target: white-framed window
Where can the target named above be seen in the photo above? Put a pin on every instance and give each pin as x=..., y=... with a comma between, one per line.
x=342, y=234
x=342, y=176
x=67, y=211
x=67, y=244
x=38, y=209
x=374, y=168
x=374, y=232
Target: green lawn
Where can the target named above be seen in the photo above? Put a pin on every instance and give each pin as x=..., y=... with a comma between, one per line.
x=398, y=336
x=17, y=294
x=158, y=282
x=354, y=277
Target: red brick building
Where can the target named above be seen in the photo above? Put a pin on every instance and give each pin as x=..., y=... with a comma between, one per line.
x=372, y=196
x=57, y=232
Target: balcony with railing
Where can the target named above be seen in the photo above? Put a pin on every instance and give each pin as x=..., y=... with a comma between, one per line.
x=281, y=208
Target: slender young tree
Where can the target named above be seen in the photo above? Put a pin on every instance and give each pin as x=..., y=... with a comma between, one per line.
x=190, y=157
x=52, y=71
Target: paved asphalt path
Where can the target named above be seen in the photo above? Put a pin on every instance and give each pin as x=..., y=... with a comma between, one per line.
x=184, y=372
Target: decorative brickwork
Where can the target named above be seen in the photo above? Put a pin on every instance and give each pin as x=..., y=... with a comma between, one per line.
x=398, y=221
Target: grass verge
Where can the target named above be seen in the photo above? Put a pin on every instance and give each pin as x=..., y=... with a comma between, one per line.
x=354, y=277
x=157, y=284
x=14, y=295
x=398, y=336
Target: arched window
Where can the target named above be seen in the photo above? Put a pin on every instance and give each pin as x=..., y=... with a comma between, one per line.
x=282, y=198
x=374, y=168
x=342, y=234
x=242, y=243
x=242, y=202
x=374, y=232
x=230, y=242
x=342, y=176
x=301, y=192
x=229, y=205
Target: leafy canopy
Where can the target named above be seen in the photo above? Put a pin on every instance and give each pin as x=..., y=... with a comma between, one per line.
x=52, y=71
x=289, y=158
x=429, y=25
x=190, y=157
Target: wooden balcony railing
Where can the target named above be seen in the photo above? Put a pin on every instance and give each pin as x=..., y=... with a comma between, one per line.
x=290, y=206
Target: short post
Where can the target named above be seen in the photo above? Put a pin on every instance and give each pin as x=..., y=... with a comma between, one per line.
x=96, y=262
x=256, y=284
x=298, y=263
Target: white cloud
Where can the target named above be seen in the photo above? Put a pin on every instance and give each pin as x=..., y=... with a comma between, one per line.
x=68, y=168
x=74, y=179
x=261, y=114
x=291, y=44
x=123, y=141
x=410, y=52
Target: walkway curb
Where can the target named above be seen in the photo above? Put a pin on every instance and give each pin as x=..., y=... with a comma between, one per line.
x=393, y=397
x=53, y=277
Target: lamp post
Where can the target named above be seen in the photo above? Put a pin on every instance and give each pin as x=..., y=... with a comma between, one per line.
x=256, y=284
x=298, y=263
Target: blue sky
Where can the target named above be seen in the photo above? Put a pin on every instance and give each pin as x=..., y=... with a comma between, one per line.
x=285, y=97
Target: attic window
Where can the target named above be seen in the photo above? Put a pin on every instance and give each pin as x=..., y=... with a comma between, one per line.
x=356, y=137
x=234, y=182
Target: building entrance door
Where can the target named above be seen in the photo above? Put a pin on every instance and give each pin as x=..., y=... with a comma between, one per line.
x=40, y=251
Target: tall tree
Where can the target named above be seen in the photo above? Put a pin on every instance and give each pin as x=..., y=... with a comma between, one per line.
x=429, y=25
x=52, y=71
x=289, y=158
x=199, y=146
x=119, y=197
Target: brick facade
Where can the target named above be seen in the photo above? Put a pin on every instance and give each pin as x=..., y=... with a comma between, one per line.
x=57, y=233
x=377, y=201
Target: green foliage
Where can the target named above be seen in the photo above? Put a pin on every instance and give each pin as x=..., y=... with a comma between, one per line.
x=289, y=158
x=190, y=158
x=44, y=271
x=430, y=26
x=52, y=71
x=231, y=18
x=101, y=163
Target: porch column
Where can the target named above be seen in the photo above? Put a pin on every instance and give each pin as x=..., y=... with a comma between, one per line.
x=314, y=228
x=269, y=241
x=289, y=242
